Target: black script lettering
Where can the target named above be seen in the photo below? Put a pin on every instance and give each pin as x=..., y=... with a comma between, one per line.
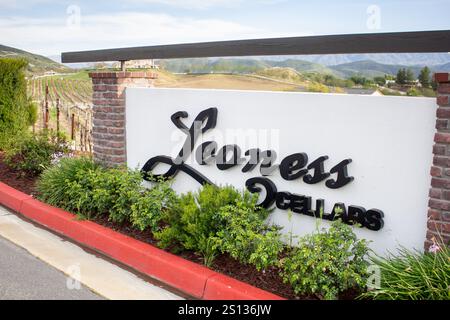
x=206, y=152
x=300, y=204
x=292, y=163
x=342, y=175
x=319, y=171
x=221, y=160
x=268, y=159
x=269, y=188
x=355, y=215
x=374, y=219
x=253, y=161
x=283, y=200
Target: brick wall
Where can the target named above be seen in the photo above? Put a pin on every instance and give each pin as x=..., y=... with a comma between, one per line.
x=439, y=197
x=108, y=131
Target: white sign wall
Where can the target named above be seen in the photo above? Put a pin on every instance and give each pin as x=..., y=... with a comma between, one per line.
x=388, y=139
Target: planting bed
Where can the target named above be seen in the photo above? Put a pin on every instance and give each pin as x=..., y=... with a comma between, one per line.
x=268, y=280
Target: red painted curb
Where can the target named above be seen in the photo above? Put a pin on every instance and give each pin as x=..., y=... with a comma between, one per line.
x=221, y=287
x=11, y=197
x=189, y=277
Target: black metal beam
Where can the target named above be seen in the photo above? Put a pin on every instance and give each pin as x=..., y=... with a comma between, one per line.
x=396, y=42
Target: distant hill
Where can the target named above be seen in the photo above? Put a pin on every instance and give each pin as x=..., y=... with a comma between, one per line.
x=366, y=68
x=36, y=64
x=408, y=59
x=238, y=65
x=372, y=69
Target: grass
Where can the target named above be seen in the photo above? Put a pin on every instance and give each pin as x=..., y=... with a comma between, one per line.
x=412, y=275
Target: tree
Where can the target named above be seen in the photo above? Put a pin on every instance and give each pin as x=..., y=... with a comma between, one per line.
x=17, y=112
x=401, y=77
x=381, y=81
x=425, y=78
x=410, y=76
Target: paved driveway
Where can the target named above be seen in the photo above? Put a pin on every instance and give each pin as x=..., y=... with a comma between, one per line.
x=22, y=276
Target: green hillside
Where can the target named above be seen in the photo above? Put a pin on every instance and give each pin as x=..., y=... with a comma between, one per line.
x=36, y=64
x=371, y=69
x=229, y=65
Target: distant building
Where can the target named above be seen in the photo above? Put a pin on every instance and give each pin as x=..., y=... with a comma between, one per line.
x=139, y=64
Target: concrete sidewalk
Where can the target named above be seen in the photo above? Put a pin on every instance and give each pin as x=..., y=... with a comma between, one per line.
x=37, y=264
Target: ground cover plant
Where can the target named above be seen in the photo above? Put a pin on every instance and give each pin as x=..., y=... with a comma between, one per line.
x=211, y=222
x=33, y=153
x=414, y=275
x=17, y=112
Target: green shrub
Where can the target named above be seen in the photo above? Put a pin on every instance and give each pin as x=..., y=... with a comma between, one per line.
x=82, y=186
x=413, y=275
x=115, y=190
x=327, y=262
x=413, y=92
x=32, y=153
x=201, y=221
x=318, y=87
x=146, y=211
x=67, y=184
x=246, y=236
x=16, y=110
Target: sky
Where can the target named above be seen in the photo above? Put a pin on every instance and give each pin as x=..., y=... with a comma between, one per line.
x=49, y=27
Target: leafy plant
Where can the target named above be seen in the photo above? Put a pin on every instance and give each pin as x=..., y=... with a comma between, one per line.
x=193, y=219
x=32, y=153
x=68, y=184
x=413, y=275
x=246, y=236
x=146, y=210
x=210, y=220
x=327, y=262
x=17, y=112
x=82, y=186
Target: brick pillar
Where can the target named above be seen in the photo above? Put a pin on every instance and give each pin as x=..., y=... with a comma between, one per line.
x=108, y=131
x=439, y=202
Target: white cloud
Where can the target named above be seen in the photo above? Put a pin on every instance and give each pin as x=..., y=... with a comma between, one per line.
x=206, y=4
x=21, y=4
x=52, y=36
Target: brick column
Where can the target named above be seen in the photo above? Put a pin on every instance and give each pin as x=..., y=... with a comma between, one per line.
x=439, y=202
x=108, y=131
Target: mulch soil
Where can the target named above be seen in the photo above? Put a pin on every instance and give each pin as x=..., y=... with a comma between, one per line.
x=268, y=280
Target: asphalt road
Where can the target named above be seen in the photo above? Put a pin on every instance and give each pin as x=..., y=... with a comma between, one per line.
x=24, y=277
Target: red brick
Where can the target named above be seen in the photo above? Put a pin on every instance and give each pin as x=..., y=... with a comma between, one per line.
x=434, y=214
x=436, y=172
x=439, y=204
x=115, y=130
x=441, y=161
x=100, y=129
x=442, y=77
x=440, y=183
x=102, y=109
x=443, y=112
x=446, y=194
x=442, y=137
x=115, y=116
x=442, y=100
x=113, y=144
x=441, y=124
x=444, y=88
x=439, y=149
x=435, y=193
x=445, y=216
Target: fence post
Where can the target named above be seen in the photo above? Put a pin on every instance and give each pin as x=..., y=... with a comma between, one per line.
x=46, y=107
x=72, y=127
x=108, y=133
x=57, y=118
x=439, y=197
